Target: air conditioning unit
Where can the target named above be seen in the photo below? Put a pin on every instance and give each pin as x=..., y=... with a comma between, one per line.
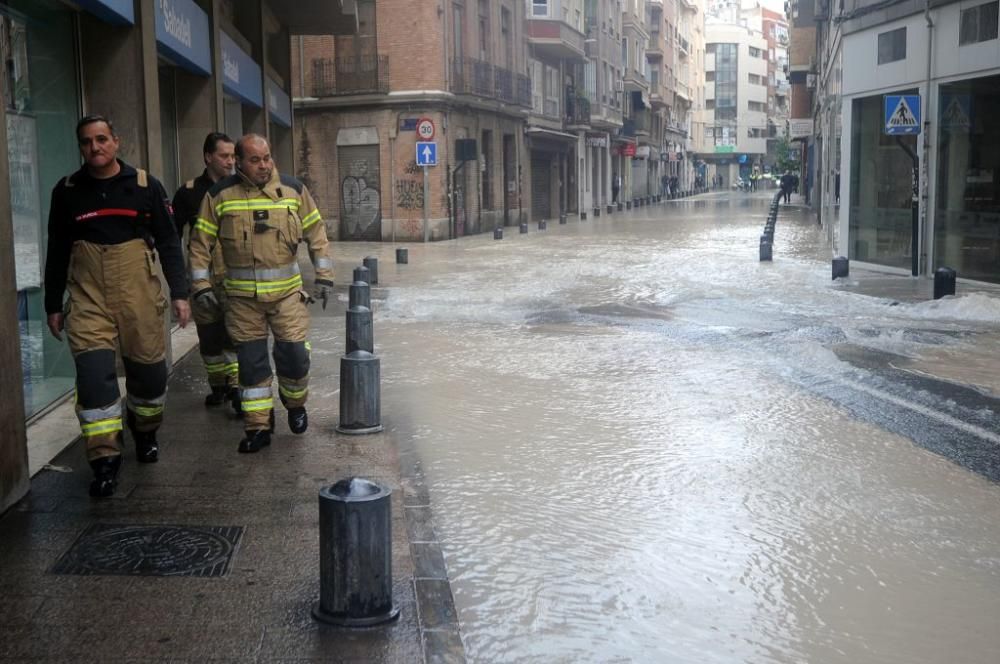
x=619, y=86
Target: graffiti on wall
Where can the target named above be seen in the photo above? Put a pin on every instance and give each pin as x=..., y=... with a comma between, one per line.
x=410, y=190
x=360, y=198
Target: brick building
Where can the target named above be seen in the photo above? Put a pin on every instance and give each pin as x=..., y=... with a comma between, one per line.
x=360, y=99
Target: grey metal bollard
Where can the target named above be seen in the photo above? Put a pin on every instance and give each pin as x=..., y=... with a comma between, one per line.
x=371, y=262
x=841, y=267
x=360, y=407
x=523, y=228
x=611, y=209
x=944, y=282
x=621, y=206
x=562, y=219
x=355, y=549
x=542, y=224
x=402, y=256
x=362, y=274
x=360, y=332
x=359, y=294
x=597, y=212
x=765, y=248
x=628, y=205
x=497, y=233
x=583, y=215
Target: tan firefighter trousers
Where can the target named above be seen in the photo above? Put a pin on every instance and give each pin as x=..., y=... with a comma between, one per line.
x=116, y=302
x=248, y=322
x=218, y=352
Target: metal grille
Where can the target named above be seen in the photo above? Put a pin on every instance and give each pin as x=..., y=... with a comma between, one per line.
x=104, y=549
x=366, y=74
x=360, y=193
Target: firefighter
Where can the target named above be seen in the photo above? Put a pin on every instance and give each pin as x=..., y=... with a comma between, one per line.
x=107, y=223
x=259, y=218
x=217, y=350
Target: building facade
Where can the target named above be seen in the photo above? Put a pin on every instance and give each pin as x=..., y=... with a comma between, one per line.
x=603, y=84
x=412, y=74
x=167, y=73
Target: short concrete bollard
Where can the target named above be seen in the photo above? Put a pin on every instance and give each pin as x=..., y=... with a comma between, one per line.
x=359, y=294
x=360, y=335
x=621, y=206
x=371, y=263
x=362, y=274
x=360, y=408
x=542, y=224
x=841, y=267
x=611, y=209
x=497, y=233
x=597, y=212
x=524, y=228
x=765, y=248
x=583, y=216
x=402, y=256
x=562, y=219
x=628, y=205
x=355, y=549
x=944, y=282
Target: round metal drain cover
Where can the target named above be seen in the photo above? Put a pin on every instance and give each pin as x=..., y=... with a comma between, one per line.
x=151, y=551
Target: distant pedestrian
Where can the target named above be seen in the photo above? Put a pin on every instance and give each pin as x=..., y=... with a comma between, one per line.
x=786, y=187
x=616, y=186
x=665, y=185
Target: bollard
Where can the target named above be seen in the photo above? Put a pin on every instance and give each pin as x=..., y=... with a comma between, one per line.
x=597, y=212
x=765, y=248
x=355, y=549
x=841, y=267
x=621, y=206
x=944, y=282
x=524, y=228
x=361, y=274
x=542, y=225
x=562, y=219
x=611, y=209
x=402, y=256
x=371, y=263
x=360, y=410
x=583, y=216
x=497, y=233
x=628, y=205
x=360, y=333
x=359, y=294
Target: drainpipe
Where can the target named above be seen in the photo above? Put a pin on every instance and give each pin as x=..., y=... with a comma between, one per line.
x=925, y=153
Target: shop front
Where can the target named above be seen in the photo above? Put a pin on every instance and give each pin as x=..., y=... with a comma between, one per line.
x=242, y=85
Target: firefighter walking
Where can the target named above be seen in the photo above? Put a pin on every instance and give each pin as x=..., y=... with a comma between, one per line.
x=259, y=218
x=218, y=353
x=107, y=223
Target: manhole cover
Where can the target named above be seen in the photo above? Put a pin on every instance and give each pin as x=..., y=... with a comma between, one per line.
x=151, y=551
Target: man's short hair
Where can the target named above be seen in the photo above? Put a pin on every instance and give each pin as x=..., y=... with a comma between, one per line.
x=91, y=119
x=246, y=139
x=212, y=141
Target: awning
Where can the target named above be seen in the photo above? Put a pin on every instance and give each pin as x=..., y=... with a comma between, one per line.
x=542, y=132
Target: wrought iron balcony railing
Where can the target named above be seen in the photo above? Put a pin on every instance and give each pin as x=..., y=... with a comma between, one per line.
x=359, y=75
x=470, y=76
x=577, y=109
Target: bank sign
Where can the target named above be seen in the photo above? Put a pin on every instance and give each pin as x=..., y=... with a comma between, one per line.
x=118, y=12
x=182, y=35
x=240, y=74
x=278, y=104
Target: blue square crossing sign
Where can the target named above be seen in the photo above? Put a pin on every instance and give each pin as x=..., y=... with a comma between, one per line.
x=427, y=153
x=902, y=114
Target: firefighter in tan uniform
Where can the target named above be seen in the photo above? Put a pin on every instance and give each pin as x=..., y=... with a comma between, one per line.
x=218, y=353
x=259, y=218
x=104, y=223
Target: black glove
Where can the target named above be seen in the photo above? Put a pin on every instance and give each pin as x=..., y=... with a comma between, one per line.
x=322, y=289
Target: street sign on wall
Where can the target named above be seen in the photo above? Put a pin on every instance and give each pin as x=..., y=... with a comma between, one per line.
x=425, y=129
x=426, y=154
x=902, y=114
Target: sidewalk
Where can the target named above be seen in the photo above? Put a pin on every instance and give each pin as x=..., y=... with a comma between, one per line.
x=243, y=528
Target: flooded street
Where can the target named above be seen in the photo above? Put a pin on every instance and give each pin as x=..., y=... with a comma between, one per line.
x=643, y=445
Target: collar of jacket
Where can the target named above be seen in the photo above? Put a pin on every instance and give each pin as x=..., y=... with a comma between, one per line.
x=127, y=171
x=271, y=188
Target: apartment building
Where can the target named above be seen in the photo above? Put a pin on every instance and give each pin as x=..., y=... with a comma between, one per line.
x=735, y=114
x=604, y=89
x=453, y=76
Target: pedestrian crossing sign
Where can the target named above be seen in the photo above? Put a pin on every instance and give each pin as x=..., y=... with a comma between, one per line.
x=902, y=114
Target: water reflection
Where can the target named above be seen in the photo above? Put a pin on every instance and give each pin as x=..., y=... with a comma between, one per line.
x=626, y=465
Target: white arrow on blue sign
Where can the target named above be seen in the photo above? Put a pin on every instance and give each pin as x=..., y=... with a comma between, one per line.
x=427, y=153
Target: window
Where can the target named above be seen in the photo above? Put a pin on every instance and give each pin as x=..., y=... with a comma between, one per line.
x=978, y=24
x=710, y=48
x=508, y=55
x=892, y=46
x=459, y=21
x=709, y=104
x=539, y=7
x=754, y=79
x=754, y=52
x=484, y=30
x=755, y=106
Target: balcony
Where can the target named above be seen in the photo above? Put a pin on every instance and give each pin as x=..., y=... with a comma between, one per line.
x=637, y=125
x=577, y=111
x=556, y=40
x=683, y=46
x=479, y=78
x=657, y=95
x=364, y=75
x=683, y=92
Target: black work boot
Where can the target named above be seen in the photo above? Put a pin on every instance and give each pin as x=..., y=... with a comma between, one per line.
x=298, y=419
x=254, y=441
x=105, y=476
x=147, y=450
x=217, y=397
x=235, y=400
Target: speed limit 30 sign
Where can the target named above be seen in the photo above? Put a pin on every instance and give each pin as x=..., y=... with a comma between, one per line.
x=425, y=129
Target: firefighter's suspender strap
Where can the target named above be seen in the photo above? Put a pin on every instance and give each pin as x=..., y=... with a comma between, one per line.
x=140, y=175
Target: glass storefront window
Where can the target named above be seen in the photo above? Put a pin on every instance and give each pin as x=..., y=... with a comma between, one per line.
x=38, y=44
x=882, y=173
x=967, y=215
